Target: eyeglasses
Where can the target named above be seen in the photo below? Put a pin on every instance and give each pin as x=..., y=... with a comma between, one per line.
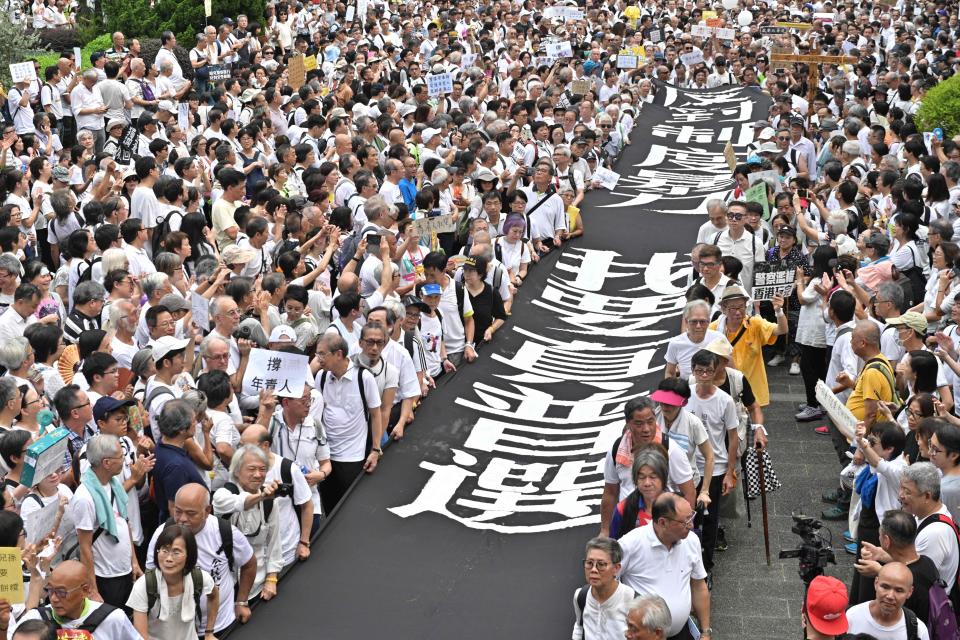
x=708, y=265
x=687, y=523
x=174, y=553
x=374, y=343
x=783, y=138
x=59, y=592
x=81, y=406
x=700, y=371
x=697, y=321
x=734, y=216
x=934, y=450
x=599, y=565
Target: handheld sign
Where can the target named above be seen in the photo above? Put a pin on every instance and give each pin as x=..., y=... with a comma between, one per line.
x=841, y=416
x=758, y=193
x=283, y=373
x=627, y=61
x=128, y=144
x=22, y=72
x=11, y=575
x=439, y=83
x=608, y=179
x=40, y=522
x=219, y=71
x=559, y=49
x=296, y=72
x=429, y=225
x=730, y=156
x=43, y=457
x=769, y=282
x=200, y=311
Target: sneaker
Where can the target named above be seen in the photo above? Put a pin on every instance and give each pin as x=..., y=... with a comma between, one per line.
x=849, y=537
x=822, y=430
x=801, y=406
x=834, y=513
x=721, y=540
x=851, y=548
x=809, y=414
x=794, y=368
x=835, y=496
x=775, y=361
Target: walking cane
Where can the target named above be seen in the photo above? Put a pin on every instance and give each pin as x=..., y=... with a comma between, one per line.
x=763, y=503
x=743, y=468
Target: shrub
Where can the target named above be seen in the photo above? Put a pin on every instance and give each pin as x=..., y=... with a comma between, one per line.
x=59, y=39
x=941, y=108
x=185, y=19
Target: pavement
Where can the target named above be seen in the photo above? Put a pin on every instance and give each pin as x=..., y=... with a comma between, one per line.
x=749, y=598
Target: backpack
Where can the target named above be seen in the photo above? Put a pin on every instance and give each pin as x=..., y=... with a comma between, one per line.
x=878, y=365
x=153, y=591
x=162, y=230
x=87, y=275
x=286, y=477
x=90, y=624
x=918, y=283
x=363, y=397
x=911, y=623
x=73, y=553
x=942, y=623
x=226, y=540
x=460, y=294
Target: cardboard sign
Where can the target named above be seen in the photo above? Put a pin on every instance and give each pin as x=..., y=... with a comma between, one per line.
x=43, y=457
x=627, y=61
x=429, y=225
x=692, y=58
x=283, y=373
x=842, y=417
x=559, y=49
x=709, y=15
x=580, y=87
x=219, y=71
x=310, y=63
x=655, y=36
x=200, y=311
x=714, y=23
x=773, y=31
x=726, y=33
x=768, y=281
x=40, y=522
x=758, y=193
x=543, y=61
x=467, y=60
x=296, y=72
x=730, y=156
x=608, y=179
x=439, y=83
x=11, y=575
x=22, y=72
x=128, y=144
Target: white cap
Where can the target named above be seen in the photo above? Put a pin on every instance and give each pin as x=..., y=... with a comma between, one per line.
x=283, y=333
x=166, y=344
x=428, y=134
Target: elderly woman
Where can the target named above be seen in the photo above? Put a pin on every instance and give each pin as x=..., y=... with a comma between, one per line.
x=511, y=249
x=247, y=502
x=650, y=477
x=16, y=356
x=172, y=265
x=10, y=401
x=609, y=599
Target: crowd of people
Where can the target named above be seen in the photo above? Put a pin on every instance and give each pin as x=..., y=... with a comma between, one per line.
x=162, y=219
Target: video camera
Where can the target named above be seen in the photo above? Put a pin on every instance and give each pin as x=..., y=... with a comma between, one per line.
x=815, y=553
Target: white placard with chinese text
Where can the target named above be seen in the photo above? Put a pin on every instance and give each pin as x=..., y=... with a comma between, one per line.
x=283, y=373
x=439, y=83
x=22, y=72
x=559, y=49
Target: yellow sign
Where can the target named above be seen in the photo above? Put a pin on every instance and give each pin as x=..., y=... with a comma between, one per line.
x=802, y=26
x=730, y=156
x=11, y=575
x=296, y=73
x=707, y=15
x=310, y=63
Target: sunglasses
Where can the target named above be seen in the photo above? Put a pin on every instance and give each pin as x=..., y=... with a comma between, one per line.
x=734, y=216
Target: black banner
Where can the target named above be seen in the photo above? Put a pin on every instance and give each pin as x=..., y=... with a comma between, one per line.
x=218, y=72
x=128, y=145
x=473, y=526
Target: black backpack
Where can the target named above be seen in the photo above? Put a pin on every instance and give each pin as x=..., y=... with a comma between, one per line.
x=162, y=230
x=153, y=590
x=87, y=274
x=235, y=490
x=918, y=284
x=226, y=539
x=90, y=624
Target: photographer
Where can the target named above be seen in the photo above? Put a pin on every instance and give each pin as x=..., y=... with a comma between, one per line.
x=294, y=498
x=248, y=504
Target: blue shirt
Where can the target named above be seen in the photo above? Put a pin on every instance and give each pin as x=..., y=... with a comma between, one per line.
x=172, y=470
x=409, y=190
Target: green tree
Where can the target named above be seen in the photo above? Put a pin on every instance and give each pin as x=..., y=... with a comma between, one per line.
x=941, y=108
x=15, y=46
x=184, y=17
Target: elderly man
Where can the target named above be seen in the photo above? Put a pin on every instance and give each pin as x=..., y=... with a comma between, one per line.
x=73, y=605
x=639, y=431
x=248, y=503
x=173, y=467
x=293, y=497
x=663, y=559
x=221, y=549
x=680, y=349
x=226, y=317
x=545, y=210
x=88, y=107
x=885, y=616
x=748, y=335
x=876, y=382
x=99, y=509
x=216, y=357
x=648, y=618
x=14, y=320
x=155, y=286
x=717, y=223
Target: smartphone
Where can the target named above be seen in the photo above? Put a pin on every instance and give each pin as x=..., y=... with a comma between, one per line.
x=802, y=193
x=373, y=240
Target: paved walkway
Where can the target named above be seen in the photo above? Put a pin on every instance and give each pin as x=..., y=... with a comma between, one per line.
x=750, y=599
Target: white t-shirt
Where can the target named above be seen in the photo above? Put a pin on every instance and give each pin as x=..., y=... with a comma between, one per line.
x=681, y=349
x=133, y=500
x=115, y=626
x=289, y=522
x=111, y=556
x=606, y=620
x=718, y=413
x=224, y=430
x=688, y=432
x=145, y=206
x=211, y=560
x=859, y=620
x=938, y=542
x=678, y=468
x=166, y=617
x=431, y=335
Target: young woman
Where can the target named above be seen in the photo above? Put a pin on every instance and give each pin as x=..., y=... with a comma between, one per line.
x=253, y=161
x=944, y=451
x=165, y=600
x=194, y=225
x=30, y=405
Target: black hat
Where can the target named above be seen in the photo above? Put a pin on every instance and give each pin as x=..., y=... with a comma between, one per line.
x=414, y=301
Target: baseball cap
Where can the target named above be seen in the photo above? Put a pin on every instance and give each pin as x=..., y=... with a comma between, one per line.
x=61, y=173
x=166, y=345
x=283, y=333
x=173, y=302
x=167, y=105
x=429, y=133
x=912, y=319
x=787, y=230
x=106, y=405
x=826, y=605
x=431, y=289
x=414, y=301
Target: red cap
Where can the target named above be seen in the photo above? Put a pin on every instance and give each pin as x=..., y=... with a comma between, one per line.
x=826, y=605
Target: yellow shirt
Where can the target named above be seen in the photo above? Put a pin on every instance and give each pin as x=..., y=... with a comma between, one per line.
x=872, y=384
x=222, y=216
x=748, y=353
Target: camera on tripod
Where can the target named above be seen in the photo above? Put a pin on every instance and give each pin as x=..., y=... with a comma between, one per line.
x=815, y=552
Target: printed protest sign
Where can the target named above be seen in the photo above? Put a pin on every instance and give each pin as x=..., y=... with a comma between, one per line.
x=439, y=83
x=283, y=373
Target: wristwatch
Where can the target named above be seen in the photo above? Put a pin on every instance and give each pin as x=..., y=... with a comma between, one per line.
x=242, y=603
x=379, y=451
x=707, y=632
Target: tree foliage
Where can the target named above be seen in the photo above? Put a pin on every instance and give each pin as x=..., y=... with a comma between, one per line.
x=941, y=108
x=185, y=18
x=16, y=45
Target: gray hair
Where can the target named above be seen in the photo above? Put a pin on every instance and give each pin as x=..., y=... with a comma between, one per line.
x=176, y=417
x=716, y=203
x=167, y=262
x=652, y=458
x=244, y=451
x=117, y=311
x=152, y=282
x=10, y=264
x=375, y=207
x=88, y=291
x=942, y=228
x=693, y=305
x=892, y=292
x=607, y=545
x=90, y=74
x=851, y=148
x=61, y=201
x=925, y=476
x=655, y=612
x=13, y=353
x=8, y=390
x=100, y=447
x=196, y=399
x=208, y=342
x=114, y=258
x=439, y=176
x=951, y=170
